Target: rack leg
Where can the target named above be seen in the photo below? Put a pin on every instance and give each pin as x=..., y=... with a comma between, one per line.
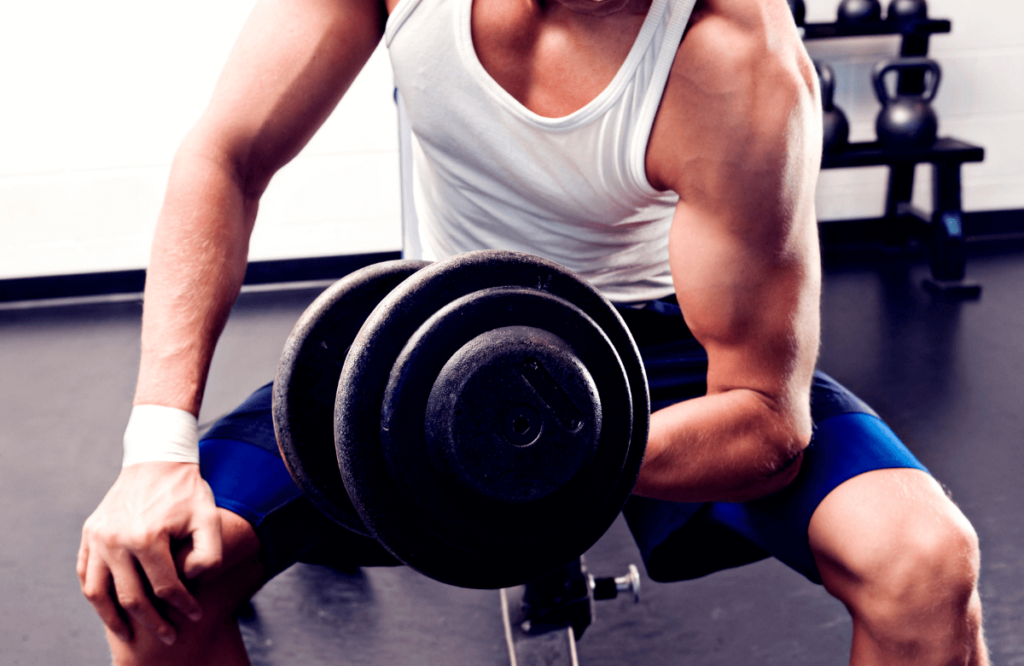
x=901, y=189
x=948, y=251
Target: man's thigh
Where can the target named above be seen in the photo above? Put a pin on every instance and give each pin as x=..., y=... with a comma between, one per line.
x=681, y=541
x=845, y=447
x=858, y=526
x=240, y=460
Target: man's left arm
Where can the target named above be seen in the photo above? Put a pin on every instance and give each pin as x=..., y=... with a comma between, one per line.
x=738, y=138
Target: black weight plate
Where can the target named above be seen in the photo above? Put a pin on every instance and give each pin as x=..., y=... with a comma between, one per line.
x=307, y=381
x=486, y=525
x=377, y=497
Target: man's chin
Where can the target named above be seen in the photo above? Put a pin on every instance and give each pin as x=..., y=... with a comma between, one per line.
x=601, y=8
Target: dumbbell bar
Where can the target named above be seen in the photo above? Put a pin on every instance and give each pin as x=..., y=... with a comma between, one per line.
x=483, y=417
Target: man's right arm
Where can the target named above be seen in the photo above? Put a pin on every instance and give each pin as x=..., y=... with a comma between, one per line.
x=291, y=65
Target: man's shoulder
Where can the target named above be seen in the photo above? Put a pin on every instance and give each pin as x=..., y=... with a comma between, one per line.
x=739, y=72
x=727, y=39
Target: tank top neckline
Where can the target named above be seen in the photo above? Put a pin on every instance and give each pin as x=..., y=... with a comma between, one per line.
x=588, y=112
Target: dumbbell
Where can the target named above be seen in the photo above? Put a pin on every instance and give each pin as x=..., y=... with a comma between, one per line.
x=835, y=126
x=907, y=121
x=859, y=12
x=905, y=13
x=799, y=10
x=567, y=597
x=483, y=417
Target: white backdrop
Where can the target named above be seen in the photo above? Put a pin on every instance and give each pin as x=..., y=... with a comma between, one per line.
x=96, y=95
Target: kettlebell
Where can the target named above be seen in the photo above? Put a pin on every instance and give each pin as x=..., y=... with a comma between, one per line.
x=837, y=129
x=860, y=11
x=907, y=121
x=799, y=10
x=903, y=12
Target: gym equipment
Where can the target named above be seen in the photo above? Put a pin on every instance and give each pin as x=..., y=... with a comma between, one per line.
x=544, y=618
x=859, y=11
x=904, y=12
x=836, y=127
x=608, y=588
x=907, y=121
x=799, y=9
x=307, y=381
x=902, y=222
x=490, y=417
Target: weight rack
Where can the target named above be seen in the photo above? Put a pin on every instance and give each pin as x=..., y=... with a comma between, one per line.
x=943, y=230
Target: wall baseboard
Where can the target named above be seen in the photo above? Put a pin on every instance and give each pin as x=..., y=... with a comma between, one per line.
x=980, y=228
x=133, y=281
x=986, y=231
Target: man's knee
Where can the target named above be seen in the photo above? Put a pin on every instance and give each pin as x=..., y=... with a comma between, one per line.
x=214, y=638
x=899, y=554
x=928, y=569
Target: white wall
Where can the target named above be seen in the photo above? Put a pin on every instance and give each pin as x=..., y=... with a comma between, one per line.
x=980, y=100
x=96, y=96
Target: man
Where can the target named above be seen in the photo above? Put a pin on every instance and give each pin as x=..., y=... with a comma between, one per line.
x=592, y=132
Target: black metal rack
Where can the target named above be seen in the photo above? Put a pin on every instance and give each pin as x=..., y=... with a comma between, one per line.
x=919, y=29
x=946, y=155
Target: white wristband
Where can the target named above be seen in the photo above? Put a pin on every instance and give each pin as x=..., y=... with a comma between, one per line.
x=160, y=434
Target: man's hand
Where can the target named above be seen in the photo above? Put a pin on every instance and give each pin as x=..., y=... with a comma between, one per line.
x=125, y=563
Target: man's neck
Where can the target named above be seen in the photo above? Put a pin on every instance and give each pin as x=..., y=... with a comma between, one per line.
x=552, y=58
x=598, y=8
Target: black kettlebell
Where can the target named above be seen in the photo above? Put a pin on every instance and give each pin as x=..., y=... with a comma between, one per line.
x=903, y=12
x=907, y=121
x=837, y=129
x=799, y=10
x=860, y=11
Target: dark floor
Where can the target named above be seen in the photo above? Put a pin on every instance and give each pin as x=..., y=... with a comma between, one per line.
x=949, y=377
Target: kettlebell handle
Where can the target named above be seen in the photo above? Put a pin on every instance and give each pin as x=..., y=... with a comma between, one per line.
x=886, y=66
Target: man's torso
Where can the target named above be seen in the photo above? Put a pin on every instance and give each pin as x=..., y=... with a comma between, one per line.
x=530, y=129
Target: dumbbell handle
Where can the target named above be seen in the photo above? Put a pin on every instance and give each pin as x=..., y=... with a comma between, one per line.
x=609, y=588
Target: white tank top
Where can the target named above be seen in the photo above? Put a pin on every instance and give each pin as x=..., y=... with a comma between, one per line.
x=489, y=173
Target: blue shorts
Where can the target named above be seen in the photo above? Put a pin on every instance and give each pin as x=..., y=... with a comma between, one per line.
x=240, y=460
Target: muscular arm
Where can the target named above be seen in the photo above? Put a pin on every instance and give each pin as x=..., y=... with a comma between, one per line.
x=291, y=65
x=738, y=138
